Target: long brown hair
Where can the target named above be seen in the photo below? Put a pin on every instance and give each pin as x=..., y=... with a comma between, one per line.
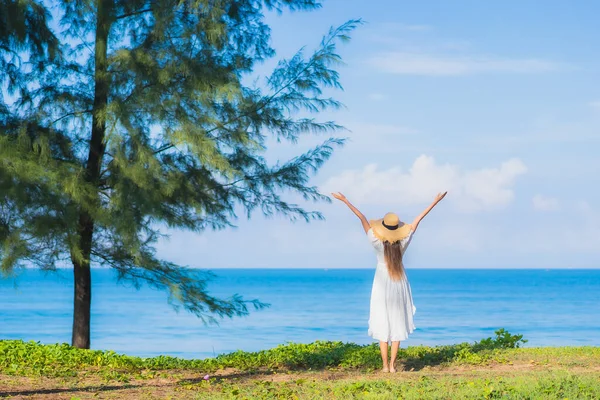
x=393, y=259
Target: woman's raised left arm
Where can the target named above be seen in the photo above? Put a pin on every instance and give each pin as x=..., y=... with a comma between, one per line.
x=417, y=220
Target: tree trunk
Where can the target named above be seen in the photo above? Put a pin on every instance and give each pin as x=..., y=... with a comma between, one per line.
x=83, y=292
x=81, y=265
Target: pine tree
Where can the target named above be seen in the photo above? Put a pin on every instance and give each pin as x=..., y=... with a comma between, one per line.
x=136, y=118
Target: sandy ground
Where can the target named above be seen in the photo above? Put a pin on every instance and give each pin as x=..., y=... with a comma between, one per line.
x=192, y=385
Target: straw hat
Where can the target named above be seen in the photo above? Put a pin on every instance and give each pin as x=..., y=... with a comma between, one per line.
x=390, y=228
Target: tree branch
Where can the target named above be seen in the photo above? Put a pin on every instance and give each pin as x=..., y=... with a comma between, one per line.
x=131, y=14
x=270, y=98
x=70, y=115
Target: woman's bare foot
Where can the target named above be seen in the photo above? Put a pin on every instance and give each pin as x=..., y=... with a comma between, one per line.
x=392, y=370
x=385, y=369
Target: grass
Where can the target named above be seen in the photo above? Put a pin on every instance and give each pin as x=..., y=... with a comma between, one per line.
x=495, y=367
x=547, y=386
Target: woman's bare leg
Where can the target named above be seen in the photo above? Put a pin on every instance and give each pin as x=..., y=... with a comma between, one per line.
x=395, y=346
x=383, y=346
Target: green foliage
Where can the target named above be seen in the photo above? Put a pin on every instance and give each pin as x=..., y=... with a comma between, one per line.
x=30, y=358
x=23, y=27
x=503, y=340
x=488, y=349
x=136, y=117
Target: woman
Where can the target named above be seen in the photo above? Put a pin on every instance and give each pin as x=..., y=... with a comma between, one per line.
x=392, y=309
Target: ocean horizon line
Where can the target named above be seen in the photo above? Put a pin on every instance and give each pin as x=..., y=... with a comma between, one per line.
x=339, y=268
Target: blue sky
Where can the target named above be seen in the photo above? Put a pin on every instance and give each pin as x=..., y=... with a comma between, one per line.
x=497, y=102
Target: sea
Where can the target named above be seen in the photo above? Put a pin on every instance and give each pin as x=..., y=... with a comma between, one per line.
x=555, y=307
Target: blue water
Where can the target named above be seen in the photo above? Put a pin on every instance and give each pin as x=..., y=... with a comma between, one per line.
x=549, y=307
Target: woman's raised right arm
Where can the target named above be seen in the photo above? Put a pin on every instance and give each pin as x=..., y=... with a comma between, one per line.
x=356, y=211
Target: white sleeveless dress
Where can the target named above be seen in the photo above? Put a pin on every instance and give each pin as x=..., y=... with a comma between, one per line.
x=392, y=308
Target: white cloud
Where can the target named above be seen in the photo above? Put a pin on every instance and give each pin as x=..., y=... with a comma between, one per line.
x=424, y=64
x=595, y=105
x=543, y=203
x=470, y=190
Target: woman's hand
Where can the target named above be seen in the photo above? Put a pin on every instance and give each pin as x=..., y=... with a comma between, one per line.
x=440, y=196
x=339, y=196
x=363, y=219
x=417, y=220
